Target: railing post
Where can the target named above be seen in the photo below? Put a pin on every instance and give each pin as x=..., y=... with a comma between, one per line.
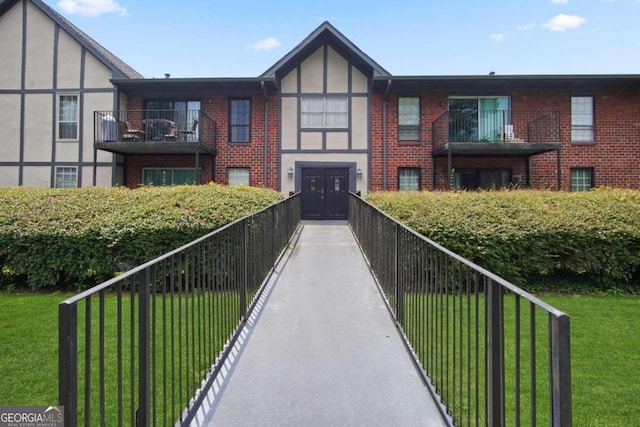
x=495, y=353
x=68, y=361
x=560, y=371
x=244, y=267
x=144, y=353
x=398, y=278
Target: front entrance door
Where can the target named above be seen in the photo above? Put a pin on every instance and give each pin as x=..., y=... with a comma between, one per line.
x=325, y=193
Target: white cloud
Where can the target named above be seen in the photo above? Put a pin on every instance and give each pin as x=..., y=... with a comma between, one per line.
x=91, y=7
x=526, y=27
x=266, y=44
x=560, y=1
x=564, y=22
x=497, y=37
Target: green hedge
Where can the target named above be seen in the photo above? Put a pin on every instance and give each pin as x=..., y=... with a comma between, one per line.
x=532, y=238
x=75, y=238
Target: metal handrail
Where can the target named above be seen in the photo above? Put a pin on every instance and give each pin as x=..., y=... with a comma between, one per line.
x=162, y=331
x=471, y=332
x=495, y=126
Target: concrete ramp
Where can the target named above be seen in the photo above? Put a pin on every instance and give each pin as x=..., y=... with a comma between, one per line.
x=321, y=349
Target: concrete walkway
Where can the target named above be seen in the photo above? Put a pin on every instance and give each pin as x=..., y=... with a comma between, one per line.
x=321, y=350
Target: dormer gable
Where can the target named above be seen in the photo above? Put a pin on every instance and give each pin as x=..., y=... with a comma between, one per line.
x=325, y=34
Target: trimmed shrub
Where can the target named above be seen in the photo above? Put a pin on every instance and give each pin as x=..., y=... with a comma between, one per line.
x=532, y=238
x=76, y=238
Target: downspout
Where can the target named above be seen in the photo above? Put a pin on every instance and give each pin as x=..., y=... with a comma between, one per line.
x=266, y=136
x=384, y=135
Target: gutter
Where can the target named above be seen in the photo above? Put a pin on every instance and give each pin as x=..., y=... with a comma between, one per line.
x=266, y=136
x=384, y=135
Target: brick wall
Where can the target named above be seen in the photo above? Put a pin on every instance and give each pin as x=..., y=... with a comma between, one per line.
x=246, y=154
x=614, y=156
x=402, y=154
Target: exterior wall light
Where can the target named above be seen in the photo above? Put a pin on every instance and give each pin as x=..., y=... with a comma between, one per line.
x=359, y=173
x=290, y=172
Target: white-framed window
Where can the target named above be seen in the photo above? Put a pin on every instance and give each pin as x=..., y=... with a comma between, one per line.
x=68, y=113
x=238, y=176
x=324, y=112
x=409, y=118
x=409, y=179
x=66, y=177
x=581, y=119
x=581, y=179
x=168, y=176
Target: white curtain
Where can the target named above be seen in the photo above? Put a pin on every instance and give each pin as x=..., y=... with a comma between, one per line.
x=582, y=119
x=318, y=111
x=336, y=111
x=312, y=111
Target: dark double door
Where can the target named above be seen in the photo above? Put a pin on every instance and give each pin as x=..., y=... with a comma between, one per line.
x=325, y=193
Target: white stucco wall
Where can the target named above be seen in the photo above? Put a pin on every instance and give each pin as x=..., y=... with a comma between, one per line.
x=11, y=48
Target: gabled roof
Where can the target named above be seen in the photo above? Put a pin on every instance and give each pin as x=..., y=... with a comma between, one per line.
x=115, y=64
x=325, y=33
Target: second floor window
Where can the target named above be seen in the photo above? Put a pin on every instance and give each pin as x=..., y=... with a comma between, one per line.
x=409, y=118
x=581, y=119
x=239, y=120
x=68, y=117
x=325, y=112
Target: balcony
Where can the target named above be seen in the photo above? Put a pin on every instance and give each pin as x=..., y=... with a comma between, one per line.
x=155, y=132
x=496, y=132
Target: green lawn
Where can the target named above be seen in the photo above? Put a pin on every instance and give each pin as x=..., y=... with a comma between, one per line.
x=605, y=343
x=28, y=328
x=605, y=353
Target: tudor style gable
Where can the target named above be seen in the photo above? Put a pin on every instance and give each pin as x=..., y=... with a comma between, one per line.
x=54, y=76
x=324, y=87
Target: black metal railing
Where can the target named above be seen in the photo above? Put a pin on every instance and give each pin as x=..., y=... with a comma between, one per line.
x=472, y=125
x=491, y=353
x=191, y=126
x=143, y=348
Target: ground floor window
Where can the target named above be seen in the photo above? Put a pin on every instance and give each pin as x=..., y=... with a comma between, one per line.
x=486, y=179
x=168, y=176
x=66, y=177
x=409, y=179
x=238, y=176
x=581, y=179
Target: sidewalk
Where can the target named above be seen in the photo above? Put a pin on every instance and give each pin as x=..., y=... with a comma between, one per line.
x=322, y=349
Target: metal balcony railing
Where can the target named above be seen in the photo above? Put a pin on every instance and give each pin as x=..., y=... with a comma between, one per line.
x=490, y=353
x=473, y=125
x=143, y=348
x=149, y=126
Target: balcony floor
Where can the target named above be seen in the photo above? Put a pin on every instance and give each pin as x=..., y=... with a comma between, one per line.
x=154, y=147
x=495, y=148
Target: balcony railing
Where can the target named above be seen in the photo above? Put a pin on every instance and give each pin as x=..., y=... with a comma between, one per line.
x=128, y=131
x=496, y=126
x=490, y=353
x=143, y=348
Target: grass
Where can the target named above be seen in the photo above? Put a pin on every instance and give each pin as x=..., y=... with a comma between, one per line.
x=29, y=325
x=604, y=345
x=605, y=353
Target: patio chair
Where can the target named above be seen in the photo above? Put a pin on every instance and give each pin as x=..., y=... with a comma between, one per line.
x=508, y=133
x=191, y=131
x=129, y=134
x=172, y=135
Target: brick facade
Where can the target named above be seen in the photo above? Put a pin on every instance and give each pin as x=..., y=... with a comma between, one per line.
x=614, y=155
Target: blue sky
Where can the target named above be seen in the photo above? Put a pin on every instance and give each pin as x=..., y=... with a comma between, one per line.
x=243, y=38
